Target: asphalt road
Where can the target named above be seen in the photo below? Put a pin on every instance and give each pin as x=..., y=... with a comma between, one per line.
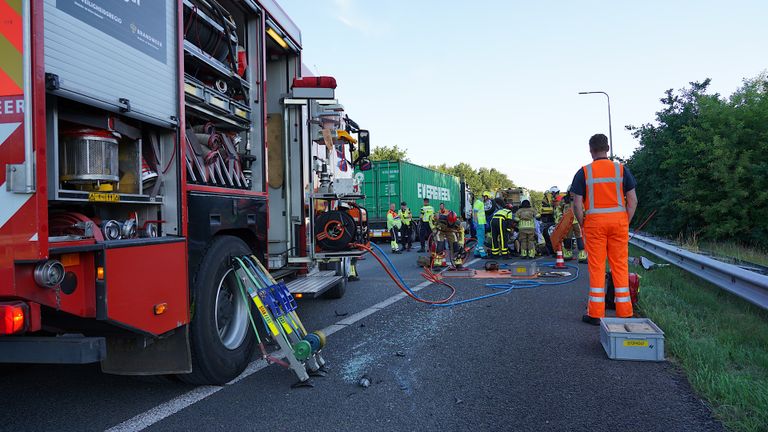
x=521, y=361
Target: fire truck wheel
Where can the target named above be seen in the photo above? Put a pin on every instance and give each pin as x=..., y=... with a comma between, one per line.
x=342, y=269
x=220, y=334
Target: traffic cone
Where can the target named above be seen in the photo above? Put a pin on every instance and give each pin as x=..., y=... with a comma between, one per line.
x=560, y=263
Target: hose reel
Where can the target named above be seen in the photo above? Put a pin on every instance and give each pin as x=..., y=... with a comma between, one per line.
x=335, y=230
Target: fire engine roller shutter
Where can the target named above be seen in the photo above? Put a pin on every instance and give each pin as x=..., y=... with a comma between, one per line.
x=110, y=50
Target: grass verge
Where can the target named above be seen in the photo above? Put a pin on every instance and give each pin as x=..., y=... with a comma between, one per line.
x=741, y=253
x=720, y=341
x=735, y=251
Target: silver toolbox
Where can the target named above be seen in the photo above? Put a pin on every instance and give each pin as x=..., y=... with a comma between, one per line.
x=632, y=339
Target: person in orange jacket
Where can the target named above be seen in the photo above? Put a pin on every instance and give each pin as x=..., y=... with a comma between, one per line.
x=604, y=202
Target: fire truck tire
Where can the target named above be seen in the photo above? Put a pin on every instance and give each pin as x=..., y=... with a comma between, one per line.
x=221, y=338
x=338, y=290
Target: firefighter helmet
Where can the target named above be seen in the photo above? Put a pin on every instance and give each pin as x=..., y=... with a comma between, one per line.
x=451, y=218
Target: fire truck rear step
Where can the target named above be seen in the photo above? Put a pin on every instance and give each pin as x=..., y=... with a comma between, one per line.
x=314, y=284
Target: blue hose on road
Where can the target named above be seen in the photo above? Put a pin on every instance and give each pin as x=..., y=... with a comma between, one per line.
x=508, y=287
x=392, y=266
x=505, y=288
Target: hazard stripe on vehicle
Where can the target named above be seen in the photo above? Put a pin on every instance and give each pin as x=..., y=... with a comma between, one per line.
x=11, y=33
x=12, y=203
x=8, y=25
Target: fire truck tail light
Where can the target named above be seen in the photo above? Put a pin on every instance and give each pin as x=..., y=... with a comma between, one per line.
x=49, y=274
x=160, y=308
x=13, y=317
x=100, y=273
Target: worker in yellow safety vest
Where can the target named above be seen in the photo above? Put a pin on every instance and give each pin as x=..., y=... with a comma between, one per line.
x=604, y=202
x=393, y=225
x=426, y=224
x=478, y=215
x=406, y=231
x=526, y=224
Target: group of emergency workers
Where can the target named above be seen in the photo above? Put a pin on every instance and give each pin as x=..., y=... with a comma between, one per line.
x=513, y=231
x=518, y=231
x=441, y=228
x=602, y=196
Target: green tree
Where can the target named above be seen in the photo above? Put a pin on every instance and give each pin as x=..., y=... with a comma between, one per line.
x=387, y=153
x=536, y=198
x=702, y=165
x=478, y=180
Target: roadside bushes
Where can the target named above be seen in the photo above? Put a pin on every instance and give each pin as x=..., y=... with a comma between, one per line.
x=704, y=164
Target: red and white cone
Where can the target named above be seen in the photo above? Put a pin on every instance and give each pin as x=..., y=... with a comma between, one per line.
x=560, y=263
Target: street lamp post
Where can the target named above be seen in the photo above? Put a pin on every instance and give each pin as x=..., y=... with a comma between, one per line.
x=610, y=132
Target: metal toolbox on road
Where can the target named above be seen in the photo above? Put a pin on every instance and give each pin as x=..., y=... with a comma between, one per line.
x=522, y=268
x=632, y=339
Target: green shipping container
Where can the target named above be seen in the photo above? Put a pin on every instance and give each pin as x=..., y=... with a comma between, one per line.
x=393, y=182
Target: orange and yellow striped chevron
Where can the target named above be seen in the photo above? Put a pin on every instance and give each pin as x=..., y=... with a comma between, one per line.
x=11, y=65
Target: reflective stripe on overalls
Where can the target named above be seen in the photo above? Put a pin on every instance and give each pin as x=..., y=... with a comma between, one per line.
x=606, y=231
x=498, y=238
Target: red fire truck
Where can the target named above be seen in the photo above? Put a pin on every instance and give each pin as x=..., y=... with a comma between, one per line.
x=136, y=139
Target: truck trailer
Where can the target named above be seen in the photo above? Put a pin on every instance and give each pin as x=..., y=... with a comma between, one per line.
x=143, y=145
x=397, y=181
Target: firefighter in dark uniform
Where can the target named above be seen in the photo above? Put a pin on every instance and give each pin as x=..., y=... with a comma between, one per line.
x=501, y=229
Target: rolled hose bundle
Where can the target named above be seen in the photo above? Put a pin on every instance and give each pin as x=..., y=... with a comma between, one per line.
x=335, y=230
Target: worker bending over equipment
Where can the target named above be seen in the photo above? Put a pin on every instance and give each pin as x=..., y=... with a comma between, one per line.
x=575, y=231
x=526, y=224
x=393, y=225
x=448, y=229
x=501, y=230
x=426, y=223
x=406, y=217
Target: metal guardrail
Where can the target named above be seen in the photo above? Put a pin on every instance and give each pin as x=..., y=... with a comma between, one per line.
x=750, y=286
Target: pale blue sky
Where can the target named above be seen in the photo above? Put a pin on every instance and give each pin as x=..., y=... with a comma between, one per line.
x=495, y=83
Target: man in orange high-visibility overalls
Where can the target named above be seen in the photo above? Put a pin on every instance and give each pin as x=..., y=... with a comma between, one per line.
x=604, y=201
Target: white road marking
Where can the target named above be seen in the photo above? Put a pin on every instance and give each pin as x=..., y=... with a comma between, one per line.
x=173, y=406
